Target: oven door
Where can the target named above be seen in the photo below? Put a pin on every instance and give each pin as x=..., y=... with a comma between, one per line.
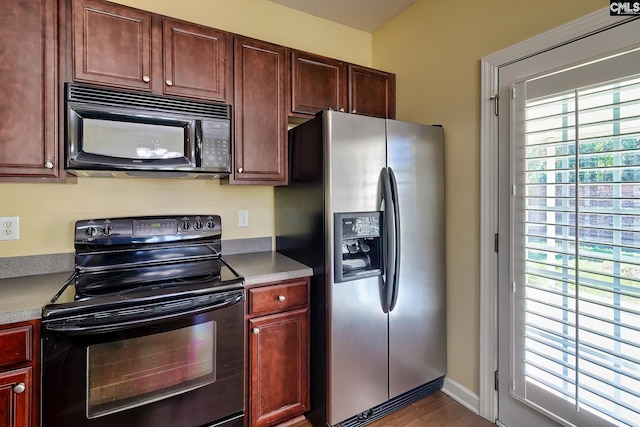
x=149, y=366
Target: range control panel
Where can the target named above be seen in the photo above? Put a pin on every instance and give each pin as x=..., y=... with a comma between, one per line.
x=148, y=229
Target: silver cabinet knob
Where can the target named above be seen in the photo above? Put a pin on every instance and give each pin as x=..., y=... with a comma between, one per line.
x=256, y=331
x=169, y=83
x=353, y=111
x=48, y=165
x=146, y=79
x=20, y=388
x=342, y=110
x=281, y=298
x=240, y=170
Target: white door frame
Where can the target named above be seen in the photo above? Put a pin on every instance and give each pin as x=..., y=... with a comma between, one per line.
x=589, y=24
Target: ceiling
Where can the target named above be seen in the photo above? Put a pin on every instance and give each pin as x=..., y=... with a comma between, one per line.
x=364, y=15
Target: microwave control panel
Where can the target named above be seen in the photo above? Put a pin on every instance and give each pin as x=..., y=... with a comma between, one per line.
x=216, y=145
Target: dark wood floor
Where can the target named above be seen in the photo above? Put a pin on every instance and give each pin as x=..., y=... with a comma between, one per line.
x=437, y=409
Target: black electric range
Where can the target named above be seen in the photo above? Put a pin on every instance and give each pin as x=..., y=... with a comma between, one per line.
x=149, y=329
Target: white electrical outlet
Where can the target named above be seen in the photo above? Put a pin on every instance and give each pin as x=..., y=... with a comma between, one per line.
x=9, y=228
x=243, y=218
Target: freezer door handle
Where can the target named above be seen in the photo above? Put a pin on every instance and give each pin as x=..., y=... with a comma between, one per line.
x=386, y=280
x=395, y=279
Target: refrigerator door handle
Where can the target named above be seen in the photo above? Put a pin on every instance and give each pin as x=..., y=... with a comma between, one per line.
x=386, y=291
x=395, y=279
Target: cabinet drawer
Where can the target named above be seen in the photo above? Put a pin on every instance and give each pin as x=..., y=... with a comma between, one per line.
x=275, y=298
x=15, y=345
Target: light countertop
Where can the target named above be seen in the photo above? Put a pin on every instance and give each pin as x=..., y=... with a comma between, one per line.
x=265, y=267
x=22, y=298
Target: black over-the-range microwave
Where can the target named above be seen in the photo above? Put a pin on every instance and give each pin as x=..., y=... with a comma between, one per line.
x=112, y=132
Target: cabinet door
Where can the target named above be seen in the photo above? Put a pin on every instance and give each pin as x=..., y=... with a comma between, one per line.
x=28, y=89
x=195, y=61
x=260, y=122
x=111, y=45
x=15, y=398
x=278, y=367
x=372, y=92
x=317, y=83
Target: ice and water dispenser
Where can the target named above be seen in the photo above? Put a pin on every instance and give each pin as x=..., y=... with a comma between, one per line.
x=358, y=245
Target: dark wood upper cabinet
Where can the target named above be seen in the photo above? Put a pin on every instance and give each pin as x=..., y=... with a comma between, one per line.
x=317, y=83
x=195, y=61
x=29, y=91
x=260, y=113
x=320, y=83
x=128, y=48
x=106, y=43
x=111, y=45
x=372, y=92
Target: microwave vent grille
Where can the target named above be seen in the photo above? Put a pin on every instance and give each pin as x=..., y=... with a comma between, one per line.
x=145, y=101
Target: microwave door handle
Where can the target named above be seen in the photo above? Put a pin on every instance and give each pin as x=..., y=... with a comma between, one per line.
x=71, y=328
x=196, y=152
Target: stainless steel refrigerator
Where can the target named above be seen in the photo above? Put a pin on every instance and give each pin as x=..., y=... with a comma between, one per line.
x=364, y=208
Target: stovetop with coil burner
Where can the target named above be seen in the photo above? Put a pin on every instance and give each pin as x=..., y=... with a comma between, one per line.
x=123, y=262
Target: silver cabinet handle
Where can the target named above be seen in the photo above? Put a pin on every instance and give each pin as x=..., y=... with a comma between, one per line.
x=256, y=331
x=281, y=298
x=342, y=110
x=240, y=170
x=48, y=165
x=20, y=388
x=353, y=111
x=146, y=79
x=169, y=83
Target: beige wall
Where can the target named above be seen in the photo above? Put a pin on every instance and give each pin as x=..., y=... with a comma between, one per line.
x=271, y=22
x=48, y=211
x=435, y=48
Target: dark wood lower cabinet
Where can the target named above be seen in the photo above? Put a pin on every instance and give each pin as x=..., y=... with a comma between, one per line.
x=15, y=398
x=278, y=348
x=278, y=372
x=19, y=378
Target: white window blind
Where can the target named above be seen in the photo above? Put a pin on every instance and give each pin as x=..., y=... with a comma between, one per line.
x=576, y=260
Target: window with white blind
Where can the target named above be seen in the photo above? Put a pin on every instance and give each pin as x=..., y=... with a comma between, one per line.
x=576, y=245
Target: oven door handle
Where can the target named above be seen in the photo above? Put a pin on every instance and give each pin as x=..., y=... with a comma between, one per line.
x=80, y=327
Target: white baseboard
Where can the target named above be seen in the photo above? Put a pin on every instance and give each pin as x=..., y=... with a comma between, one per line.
x=461, y=394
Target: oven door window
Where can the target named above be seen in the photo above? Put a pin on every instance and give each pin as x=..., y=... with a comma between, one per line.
x=133, y=372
